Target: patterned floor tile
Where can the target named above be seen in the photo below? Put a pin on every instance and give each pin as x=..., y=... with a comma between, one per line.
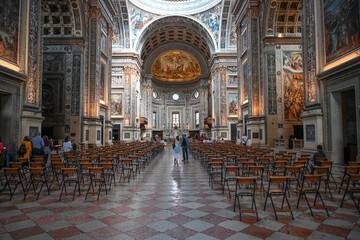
x=64, y=232
x=180, y=232
x=102, y=233
x=259, y=232
x=219, y=232
x=162, y=226
x=169, y=202
x=198, y=225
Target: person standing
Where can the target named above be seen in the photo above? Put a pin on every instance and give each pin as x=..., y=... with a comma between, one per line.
x=27, y=144
x=244, y=140
x=37, y=145
x=176, y=148
x=196, y=137
x=11, y=152
x=47, y=149
x=184, y=145
x=67, y=146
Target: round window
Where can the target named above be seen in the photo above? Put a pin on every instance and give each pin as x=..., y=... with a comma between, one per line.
x=155, y=94
x=196, y=95
x=176, y=96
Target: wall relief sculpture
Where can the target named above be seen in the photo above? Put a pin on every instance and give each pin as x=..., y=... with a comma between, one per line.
x=176, y=66
x=293, y=85
x=341, y=26
x=9, y=29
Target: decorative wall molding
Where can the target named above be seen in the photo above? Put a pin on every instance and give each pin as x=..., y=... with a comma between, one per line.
x=271, y=67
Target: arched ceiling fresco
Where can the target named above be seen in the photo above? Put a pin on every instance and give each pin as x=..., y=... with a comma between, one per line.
x=176, y=66
x=136, y=16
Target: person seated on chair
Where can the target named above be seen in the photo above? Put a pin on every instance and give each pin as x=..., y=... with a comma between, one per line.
x=318, y=154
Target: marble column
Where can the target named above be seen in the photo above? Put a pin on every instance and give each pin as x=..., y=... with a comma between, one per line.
x=313, y=114
x=31, y=117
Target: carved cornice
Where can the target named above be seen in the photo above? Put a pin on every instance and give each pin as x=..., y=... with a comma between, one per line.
x=282, y=40
x=64, y=41
x=343, y=71
x=13, y=75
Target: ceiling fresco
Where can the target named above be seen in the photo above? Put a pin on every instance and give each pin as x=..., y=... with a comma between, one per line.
x=175, y=7
x=176, y=66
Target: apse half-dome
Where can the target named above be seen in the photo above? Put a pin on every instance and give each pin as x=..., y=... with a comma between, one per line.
x=176, y=66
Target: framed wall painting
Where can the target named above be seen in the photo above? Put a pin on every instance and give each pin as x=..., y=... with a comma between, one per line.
x=9, y=30
x=233, y=104
x=116, y=104
x=341, y=27
x=293, y=94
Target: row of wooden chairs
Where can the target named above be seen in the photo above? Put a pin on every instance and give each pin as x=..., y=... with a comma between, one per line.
x=97, y=174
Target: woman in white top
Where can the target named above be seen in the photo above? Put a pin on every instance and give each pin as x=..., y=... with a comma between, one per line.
x=67, y=147
x=176, y=150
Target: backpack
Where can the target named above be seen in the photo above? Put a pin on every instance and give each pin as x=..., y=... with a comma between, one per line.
x=22, y=150
x=184, y=142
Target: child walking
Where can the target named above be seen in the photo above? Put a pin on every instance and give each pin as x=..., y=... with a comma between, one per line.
x=176, y=150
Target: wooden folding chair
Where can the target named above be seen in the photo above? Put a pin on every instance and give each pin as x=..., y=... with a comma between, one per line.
x=127, y=169
x=230, y=175
x=347, y=171
x=282, y=190
x=13, y=177
x=353, y=179
x=215, y=170
x=325, y=171
x=311, y=184
x=96, y=177
x=246, y=187
x=37, y=177
x=70, y=176
x=109, y=172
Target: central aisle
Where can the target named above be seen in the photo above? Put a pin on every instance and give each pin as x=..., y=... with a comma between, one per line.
x=165, y=201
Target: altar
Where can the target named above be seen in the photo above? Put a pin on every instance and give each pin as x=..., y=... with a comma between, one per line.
x=172, y=133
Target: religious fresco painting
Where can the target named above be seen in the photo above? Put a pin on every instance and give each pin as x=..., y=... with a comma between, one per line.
x=138, y=20
x=102, y=82
x=233, y=104
x=116, y=104
x=211, y=19
x=293, y=85
x=176, y=66
x=341, y=25
x=246, y=83
x=9, y=29
x=233, y=36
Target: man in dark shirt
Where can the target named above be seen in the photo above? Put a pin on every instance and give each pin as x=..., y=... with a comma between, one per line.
x=318, y=154
x=184, y=145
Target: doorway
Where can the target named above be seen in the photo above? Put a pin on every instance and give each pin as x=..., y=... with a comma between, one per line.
x=343, y=126
x=233, y=132
x=349, y=125
x=298, y=131
x=116, y=132
x=102, y=129
x=6, y=112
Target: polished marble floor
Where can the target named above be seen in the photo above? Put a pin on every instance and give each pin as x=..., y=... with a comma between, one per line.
x=168, y=202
